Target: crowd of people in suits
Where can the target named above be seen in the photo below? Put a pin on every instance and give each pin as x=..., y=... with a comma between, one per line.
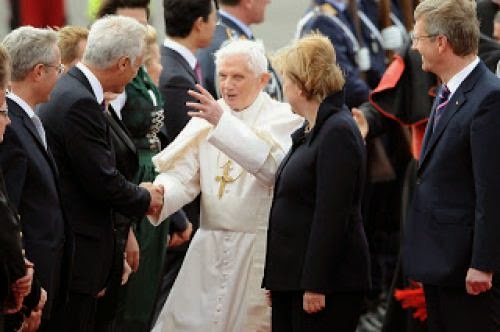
x=170, y=187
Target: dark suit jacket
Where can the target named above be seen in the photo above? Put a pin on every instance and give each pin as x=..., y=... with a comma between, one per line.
x=91, y=186
x=453, y=222
x=127, y=163
x=11, y=257
x=31, y=179
x=227, y=30
x=316, y=240
x=175, y=80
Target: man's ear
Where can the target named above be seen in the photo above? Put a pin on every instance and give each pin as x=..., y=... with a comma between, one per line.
x=198, y=25
x=247, y=4
x=121, y=64
x=37, y=72
x=443, y=43
x=264, y=79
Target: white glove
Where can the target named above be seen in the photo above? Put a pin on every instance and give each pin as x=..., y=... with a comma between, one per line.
x=392, y=37
x=363, y=59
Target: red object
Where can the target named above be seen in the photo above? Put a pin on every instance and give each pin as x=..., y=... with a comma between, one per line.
x=42, y=14
x=413, y=298
x=389, y=81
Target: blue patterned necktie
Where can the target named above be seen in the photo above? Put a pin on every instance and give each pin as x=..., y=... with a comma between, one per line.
x=444, y=96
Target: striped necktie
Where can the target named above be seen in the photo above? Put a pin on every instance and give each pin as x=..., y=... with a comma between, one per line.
x=444, y=96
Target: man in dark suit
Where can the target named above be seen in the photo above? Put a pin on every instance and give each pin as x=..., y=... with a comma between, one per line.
x=11, y=258
x=451, y=236
x=30, y=171
x=189, y=25
x=80, y=138
x=233, y=22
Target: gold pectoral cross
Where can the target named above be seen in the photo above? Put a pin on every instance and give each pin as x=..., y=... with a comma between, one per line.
x=225, y=178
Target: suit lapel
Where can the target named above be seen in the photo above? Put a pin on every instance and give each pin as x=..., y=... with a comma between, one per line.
x=455, y=104
x=121, y=130
x=179, y=59
x=28, y=124
x=77, y=73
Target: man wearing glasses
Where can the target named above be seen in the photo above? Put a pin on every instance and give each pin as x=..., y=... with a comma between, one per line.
x=29, y=169
x=451, y=235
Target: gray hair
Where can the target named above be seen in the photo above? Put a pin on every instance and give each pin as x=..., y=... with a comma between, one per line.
x=254, y=51
x=113, y=37
x=29, y=46
x=455, y=19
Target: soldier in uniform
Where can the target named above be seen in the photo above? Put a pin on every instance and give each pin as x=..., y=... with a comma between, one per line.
x=331, y=18
x=234, y=21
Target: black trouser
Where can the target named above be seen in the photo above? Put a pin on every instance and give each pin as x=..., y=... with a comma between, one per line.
x=80, y=312
x=340, y=314
x=453, y=310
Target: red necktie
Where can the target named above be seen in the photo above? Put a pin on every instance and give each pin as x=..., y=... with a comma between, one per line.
x=197, y=71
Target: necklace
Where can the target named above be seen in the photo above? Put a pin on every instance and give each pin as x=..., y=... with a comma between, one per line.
x=226, y=178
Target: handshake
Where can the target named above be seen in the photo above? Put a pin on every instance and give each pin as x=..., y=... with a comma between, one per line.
x=156, y=193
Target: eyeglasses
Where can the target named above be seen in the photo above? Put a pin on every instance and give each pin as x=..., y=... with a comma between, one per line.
x=415, y=38
x=4, y=112
x=59, y=68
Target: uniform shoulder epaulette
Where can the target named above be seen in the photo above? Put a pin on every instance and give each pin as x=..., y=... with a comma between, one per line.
x=328, y=9
x=231, y=34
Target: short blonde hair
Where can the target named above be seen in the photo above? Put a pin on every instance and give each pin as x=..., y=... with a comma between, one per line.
x=151, y=40
x=68, y=39
x=310, y=63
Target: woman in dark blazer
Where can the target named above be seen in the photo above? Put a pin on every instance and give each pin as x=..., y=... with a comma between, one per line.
x=317, y=265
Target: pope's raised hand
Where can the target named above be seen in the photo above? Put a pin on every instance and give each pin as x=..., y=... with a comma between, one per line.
x=207, y=107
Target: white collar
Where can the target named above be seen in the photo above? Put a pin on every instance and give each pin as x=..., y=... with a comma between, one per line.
x=118, y=103
x=94, y=82
x=249, y=114
x=24, y=105
x=182, y=50
x=454, y=83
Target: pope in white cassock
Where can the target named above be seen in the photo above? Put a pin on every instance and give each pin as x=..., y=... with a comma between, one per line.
x=228, y=152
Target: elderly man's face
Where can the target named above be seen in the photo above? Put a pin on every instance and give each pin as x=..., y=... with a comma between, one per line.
x=239, y=85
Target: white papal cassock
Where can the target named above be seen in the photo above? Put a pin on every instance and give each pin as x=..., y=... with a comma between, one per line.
x=219, y=285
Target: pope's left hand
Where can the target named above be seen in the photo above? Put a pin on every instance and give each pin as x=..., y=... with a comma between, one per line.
x=207, y=107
